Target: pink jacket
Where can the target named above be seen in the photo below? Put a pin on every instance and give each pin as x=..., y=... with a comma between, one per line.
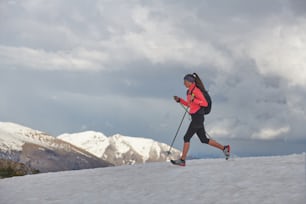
x=198, y=99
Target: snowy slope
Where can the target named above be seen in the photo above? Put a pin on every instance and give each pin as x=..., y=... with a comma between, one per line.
x=94, y=142
x=13, y=136
x=119, y=149
x=41, y=151
x=142, y=146
x=262, y=180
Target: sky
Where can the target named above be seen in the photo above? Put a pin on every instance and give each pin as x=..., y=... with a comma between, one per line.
x=114, y=66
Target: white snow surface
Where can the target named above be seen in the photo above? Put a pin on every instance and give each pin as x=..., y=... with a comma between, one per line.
x=96, y=143
x=93, y=142
x=142, y=146
x=13, y=136
x=264, y=180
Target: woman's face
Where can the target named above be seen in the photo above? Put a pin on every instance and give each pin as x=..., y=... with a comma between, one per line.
x=187, y=83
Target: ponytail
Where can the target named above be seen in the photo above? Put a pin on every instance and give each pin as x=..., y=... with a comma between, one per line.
x=198, y=82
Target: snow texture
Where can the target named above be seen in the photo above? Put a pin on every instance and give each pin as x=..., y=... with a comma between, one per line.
x=142, y=146
x=255, y=180
x=13, y=136
x=93, y=142
x=97, y=144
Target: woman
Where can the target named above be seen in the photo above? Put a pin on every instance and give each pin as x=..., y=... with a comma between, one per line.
x=195, y=102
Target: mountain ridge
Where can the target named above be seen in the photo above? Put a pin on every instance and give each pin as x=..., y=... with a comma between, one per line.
x=41, y=151
x=89, y=149
x=119, y=149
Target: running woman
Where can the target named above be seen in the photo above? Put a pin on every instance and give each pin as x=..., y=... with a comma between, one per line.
x=195, y=102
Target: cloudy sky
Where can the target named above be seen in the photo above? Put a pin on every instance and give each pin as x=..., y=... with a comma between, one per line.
x=114, y=65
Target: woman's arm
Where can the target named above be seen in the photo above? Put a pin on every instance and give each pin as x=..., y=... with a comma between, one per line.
x=182, y=101
x=199, y=98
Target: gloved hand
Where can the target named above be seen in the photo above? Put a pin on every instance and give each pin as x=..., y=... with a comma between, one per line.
x=177, y=99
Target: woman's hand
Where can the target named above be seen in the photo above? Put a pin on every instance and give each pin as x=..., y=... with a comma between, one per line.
x=177, y=99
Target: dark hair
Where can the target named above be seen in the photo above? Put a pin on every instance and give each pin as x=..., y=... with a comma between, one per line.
x=198, y=82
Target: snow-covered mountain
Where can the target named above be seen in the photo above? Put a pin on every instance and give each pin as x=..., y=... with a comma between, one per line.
x=89, y=149
x=119, y=149
x=258, y=180
x=43, y=152
x=94, y=142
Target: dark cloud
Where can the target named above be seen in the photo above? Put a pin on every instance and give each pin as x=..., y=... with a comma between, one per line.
x=298, y=7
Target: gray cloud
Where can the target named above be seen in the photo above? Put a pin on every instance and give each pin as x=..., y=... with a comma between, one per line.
x=113, y=66
x=297, y=7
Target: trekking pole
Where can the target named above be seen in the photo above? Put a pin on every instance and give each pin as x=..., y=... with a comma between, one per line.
x=177, y=131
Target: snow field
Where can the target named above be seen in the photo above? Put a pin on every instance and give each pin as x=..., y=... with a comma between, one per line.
x=141, y=145
x=13, y=136
x=241, y=180
x=94, y=142
x=97, y=143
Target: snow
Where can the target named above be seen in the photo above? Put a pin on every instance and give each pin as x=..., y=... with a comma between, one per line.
x=96, y=143
x=119, y=145
x=255, y=180
x=93, y=142
x=9, y=142
x=141, y=145
x=13, y=136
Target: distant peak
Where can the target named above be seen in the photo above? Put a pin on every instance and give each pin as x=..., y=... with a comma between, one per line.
x=13, y=127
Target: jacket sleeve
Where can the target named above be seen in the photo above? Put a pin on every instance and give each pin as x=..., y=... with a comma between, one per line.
x=199, y=98
x=182, y=101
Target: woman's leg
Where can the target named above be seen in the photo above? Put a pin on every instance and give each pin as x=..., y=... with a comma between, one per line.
x=185, y=150
x=195, y=125
x=226, y=149
x=215, y=144
x=192, y=129
x=202, y=135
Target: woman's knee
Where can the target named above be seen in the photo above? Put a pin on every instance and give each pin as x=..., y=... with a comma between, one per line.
x=187, y=138
x=204, y=140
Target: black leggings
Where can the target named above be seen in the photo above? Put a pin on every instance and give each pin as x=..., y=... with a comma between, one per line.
x=196, y=126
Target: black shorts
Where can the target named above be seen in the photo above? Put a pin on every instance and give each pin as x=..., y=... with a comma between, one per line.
x=196, y=126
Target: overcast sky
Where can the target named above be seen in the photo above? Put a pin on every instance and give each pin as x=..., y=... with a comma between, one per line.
x=114, y=65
